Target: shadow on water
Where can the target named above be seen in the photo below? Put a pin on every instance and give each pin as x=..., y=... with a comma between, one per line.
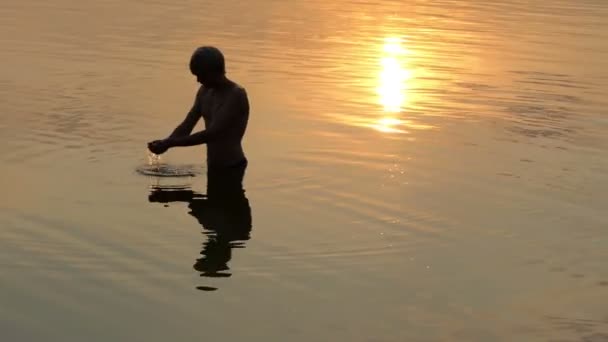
x=224, y=214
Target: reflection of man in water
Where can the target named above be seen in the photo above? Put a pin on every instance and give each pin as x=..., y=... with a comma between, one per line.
x=224, y=214
x=224, y=107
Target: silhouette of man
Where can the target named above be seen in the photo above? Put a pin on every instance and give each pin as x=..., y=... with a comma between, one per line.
x=224, y=107
x=224, y=213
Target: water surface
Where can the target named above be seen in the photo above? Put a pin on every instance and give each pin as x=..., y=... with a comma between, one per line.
x=419, y=171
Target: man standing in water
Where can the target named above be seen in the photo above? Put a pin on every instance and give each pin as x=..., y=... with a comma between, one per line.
x=224, y=213
x=224, y=107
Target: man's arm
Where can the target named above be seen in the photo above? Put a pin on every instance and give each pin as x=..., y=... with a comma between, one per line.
x=183, y=129
x=192, y=118
x=226, y=116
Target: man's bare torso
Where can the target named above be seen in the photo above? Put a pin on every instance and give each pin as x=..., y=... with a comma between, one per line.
x=230, y=107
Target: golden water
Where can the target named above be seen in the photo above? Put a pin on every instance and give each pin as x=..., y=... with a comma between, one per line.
x=419, y=171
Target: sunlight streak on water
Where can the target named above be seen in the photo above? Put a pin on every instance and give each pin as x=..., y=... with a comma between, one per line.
x=393, y=82
x=393, y=76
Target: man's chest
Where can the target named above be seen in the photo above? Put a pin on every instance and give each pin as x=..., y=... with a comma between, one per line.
x=210, y=104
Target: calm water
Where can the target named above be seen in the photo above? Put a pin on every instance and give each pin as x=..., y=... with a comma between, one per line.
x=419, y=171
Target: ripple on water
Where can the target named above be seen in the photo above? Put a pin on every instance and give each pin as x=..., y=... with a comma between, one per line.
x=168, y=170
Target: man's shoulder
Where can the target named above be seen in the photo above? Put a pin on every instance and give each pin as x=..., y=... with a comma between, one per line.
x=239, y=92
x=240, y=96
x=239, y=89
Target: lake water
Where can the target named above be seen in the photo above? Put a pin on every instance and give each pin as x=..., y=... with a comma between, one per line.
x=419, y=171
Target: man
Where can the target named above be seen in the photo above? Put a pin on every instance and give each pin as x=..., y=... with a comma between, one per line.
x=224, y=212
x=224, y=107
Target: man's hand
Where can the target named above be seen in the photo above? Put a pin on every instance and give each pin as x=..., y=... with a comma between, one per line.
x=159, y=146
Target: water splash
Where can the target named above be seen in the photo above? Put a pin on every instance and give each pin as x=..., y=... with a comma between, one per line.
x=157, y=168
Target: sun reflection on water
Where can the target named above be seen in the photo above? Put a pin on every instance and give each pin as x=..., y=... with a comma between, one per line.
x=392, y=88
x=393, y=76
x=388, y=90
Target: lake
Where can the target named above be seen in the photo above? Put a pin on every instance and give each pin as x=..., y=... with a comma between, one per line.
x=418, y=171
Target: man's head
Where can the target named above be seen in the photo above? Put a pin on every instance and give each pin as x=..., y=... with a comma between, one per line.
x=207, y=64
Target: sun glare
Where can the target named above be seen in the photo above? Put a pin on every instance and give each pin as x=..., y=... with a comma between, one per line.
x=392, y=88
